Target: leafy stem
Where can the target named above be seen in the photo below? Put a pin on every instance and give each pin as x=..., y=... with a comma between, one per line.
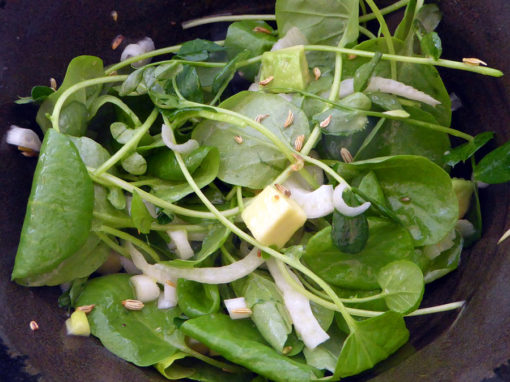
x=107, y=98
x=126, y=236
x=384, y=11
x=222, y=19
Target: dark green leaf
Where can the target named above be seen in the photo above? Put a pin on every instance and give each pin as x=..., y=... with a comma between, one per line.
x=494, y=167
x=73, y=119
x=463, y=152
x=431, y=45
x=163, y=163
x=404, y=28
x=59, y=210
x=444, y=263
x=68, y=298
x=188, y=84
x=38, y=95
x=349, y=234
x=227, y=72
x=196, y=299
x=140, y=215
x=131, y=83
x=197, y=50
x=364, y=73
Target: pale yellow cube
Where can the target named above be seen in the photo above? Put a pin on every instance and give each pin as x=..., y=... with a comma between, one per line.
x=273, y=217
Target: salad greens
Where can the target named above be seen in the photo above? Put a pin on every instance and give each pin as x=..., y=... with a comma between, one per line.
x=159, y=166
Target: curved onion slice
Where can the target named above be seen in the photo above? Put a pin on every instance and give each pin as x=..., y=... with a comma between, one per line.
x=183, y=148
x=27, y=138
x=133, y=50
x=182, y=245
x=386, y=85
x=292, y=38
x=168, y=299
x=214, y=275
x=342, y=207
x=299, y=309
x=237, y=308
x=316, y=203
x=146, y=289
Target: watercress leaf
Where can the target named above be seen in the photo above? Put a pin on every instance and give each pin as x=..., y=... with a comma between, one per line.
x=163, y=164
x=196, y=299
x=364, y=73
x=257, y=161
x=443, y=264
x=242, y=36
x=79, y=69
x=37, y=95
x=403, y=285
x=323, y=315
x=143, y=337
x=140, y=215
x=134, y=164
x=131, y=83
x=69, y=297
x=59, y=210
x=226, y=74
x=116, y=198
x=371, y=341
x=325, y=356
x=205, y=174
x=188, y=84
x=429, y=16
x=495, y=166
x=197, y=50
x=370, y=186
x=121, y=132
x=349, y=234
x=384, y=101
x=387, y=242
x=431, y=45
x=230, y=338
x=405, y=26
x=73, y=119
x=418, y=191
x=463, y=152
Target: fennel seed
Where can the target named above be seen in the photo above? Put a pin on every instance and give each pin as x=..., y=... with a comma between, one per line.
x=25, y=151
x=474, y=61
x=298, y=143
x=282, y=189
x=326, y=122
x=114, y=15
x=133, y=304
x=170, y=283
x=265, y=81
x=86, y=308
x=405, y=199
x=346, y=155
x=259, y=118
x=33, y=326
x=287, y=349
x=261, y=30
x=316, y=73
x=351, y=56
x=299, y=164
x=290, y=120
x=242, y=311
x=238, y=139
x=53, y=83
x=117, y=41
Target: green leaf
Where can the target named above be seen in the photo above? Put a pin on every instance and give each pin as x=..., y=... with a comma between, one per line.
x=364, y=73
x=73, y=119
x=494, y=168
x=196, y=299
x=188, y=84
x=405, y=26
x=80, y=68
x=143, y=337
x=256, y=161
x=163, y=164
x=226, y=74
x=443, y=264
x=325, y=356
x=429, y=16
x=386, y=243
x=59, y=210
x=349, y=234
x=131, y=83
x=418, y=191
x=91, y=153
x=431, y=45
x=69, y=297
x=371, y=341
x=231, y=338
x=134, y=164
x=465, y=151
x=140, y=215
x=370, y=186
x=38, y=95
x=403, y=285
x=198, y=50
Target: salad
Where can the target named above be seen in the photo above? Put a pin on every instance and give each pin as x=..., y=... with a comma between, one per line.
x=280, y=232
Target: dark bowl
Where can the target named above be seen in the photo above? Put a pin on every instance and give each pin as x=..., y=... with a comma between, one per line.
x=40, y=38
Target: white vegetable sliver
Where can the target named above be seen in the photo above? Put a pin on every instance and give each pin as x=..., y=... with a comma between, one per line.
x=293, y=37
x=465, y=227
x=19, y=136
x=132, y=50
x=434, y=250
x=214, y=275
x=146, y=289
x=129, y=266
x=168, y=299
x=183, y=148
x=316, y=203
x=182, y=245
x=386, y=85
x=299, y=309
x=237, y=308
x=342, y=207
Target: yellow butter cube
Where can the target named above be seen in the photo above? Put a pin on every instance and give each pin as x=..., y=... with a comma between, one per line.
x=272, y=217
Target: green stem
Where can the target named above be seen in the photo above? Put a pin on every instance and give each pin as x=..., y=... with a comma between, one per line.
x=367, y=32
x=326, y=169
x=222, y=19
x=388, y=38
x=370, y=136
x=111, y=180
x=100, y=101
x=126, y=236
x=113, y=244
x=239, y=194
x=130, y=145
x=55, y=115
x=154, y=53
x=384, y=11
x=410, y=59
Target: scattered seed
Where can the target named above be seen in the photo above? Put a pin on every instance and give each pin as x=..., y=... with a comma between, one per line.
x=259, y=253
x=282, y=189
x=133, y=304
x=290, y=120
x=242, y=310
x=238, y=139
x=27, y=152
x=298, y=143
x=53, y=83
x=114, y=15
x=299, y=164
x=259, y=118
x=33, y=326
x=405, y=199
x=117, y=41
x=171, y=283
x=264, y=82
x=261, y=30
x=317, y=73
x=276, y=197
x=474, y=61
x=287, y=349
x=326, y=122
x=346, y=155
x=86, y=308
x=351, y=56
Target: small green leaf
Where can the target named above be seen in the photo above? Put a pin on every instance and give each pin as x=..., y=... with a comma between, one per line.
x=73, y=119
x=131, y=83
x=140, y=215
x=463, y=152
x=228, y=71
x=494, y=168
x=364, y=73
x=196, y=299
x=188, y=84
x=349, y=234
x=431, y=45
x=134, y=164
x=198, y=50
